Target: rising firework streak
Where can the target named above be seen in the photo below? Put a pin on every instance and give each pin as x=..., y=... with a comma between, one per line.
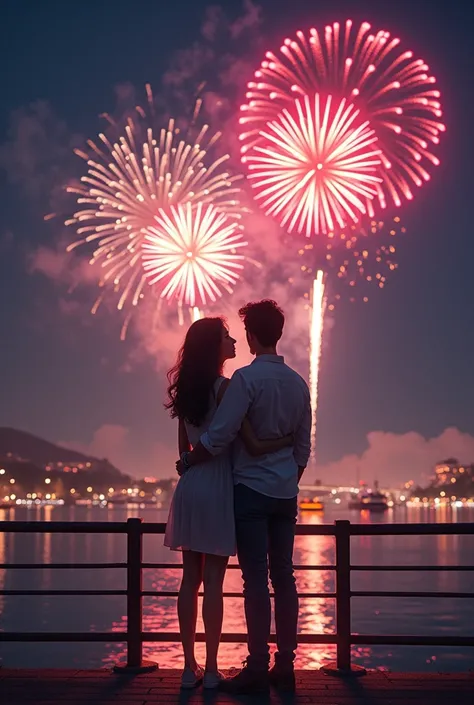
x=317, y=310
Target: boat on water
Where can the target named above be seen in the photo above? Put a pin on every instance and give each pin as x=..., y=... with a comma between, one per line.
x=371, y=500
x=311, y=505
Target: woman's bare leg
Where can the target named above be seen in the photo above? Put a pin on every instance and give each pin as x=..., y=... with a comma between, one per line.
x=213, y=606
x=188, y=603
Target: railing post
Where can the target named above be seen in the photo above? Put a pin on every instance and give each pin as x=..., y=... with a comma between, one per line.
x=134, y=663
x=343, y=666
x=343, y=595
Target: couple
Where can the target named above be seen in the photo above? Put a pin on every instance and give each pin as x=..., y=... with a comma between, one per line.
x=244, y=444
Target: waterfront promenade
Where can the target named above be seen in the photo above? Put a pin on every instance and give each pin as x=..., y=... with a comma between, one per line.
x=73, y=687
x=76, y=686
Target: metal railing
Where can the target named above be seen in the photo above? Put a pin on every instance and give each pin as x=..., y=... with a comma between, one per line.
x=134, y=636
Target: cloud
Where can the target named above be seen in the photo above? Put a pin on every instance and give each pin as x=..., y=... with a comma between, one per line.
x=215, y=62
x=38, y=154
x=251, y=19
x=396, y=458
x=128, y=453
x=60, y=266
x=390, y=458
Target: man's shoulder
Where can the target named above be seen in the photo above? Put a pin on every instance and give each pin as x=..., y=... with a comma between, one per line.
x=270, y=370
x=296, y=376
x=243, y=371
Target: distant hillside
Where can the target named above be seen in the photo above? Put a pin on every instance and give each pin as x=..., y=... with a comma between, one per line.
x=37, y=450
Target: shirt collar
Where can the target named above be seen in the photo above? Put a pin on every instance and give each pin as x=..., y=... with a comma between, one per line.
x=269, y=358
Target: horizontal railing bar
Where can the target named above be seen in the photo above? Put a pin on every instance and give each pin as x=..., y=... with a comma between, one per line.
x=35, y=593
x=153, y=527
x=238, y=638
x=59, y=566
x=411, y=529
x=179, y=566
x=105, y=527
x=144, y=593
x=63, y=527
x=120, y=637
x=232, y=566
x=410, y=640
x=174, y=593
x=412, y=568
x=154, y=566
x=300, y=529
x=372, y=593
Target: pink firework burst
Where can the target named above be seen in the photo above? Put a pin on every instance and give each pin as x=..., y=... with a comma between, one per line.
x=394, y=91
x=314, y=167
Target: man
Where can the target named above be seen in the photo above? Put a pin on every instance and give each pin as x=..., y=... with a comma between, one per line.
x=277, y=402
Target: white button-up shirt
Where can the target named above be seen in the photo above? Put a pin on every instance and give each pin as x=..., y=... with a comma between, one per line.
x=277, y=402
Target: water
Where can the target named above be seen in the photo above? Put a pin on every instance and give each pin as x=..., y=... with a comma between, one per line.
x=371, y=616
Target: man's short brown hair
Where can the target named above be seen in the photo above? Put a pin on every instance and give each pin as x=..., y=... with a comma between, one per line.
x=264, y=320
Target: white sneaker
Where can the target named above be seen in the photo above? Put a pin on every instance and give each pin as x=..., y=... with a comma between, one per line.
x=191, y=678
x=212, y=679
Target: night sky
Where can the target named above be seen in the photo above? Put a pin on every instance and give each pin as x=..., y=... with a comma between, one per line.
x=400, y=365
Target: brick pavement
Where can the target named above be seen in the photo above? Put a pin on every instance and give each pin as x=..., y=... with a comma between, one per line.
x=81, y=687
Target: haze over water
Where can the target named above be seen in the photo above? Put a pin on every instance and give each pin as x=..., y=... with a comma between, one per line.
x=370, y=615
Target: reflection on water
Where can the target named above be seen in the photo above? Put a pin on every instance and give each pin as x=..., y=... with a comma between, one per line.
x=317, y=615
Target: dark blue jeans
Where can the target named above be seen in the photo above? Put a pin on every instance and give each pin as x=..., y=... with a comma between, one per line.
x=265, y=537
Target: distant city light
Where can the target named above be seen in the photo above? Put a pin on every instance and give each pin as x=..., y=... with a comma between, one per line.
x=12, y=481
x=48, y=481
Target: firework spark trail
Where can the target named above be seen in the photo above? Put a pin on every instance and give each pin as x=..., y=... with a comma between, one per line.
x=131, y=179
x=394, y=91
x=317, y=311
x=357, y=260
x=314, y=166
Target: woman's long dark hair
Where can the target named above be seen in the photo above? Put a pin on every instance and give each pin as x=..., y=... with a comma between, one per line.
x=197, y=368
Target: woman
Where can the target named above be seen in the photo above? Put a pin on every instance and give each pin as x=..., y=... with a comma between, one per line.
x=201, y=518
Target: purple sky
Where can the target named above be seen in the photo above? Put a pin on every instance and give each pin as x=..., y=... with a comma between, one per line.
x=396, y=372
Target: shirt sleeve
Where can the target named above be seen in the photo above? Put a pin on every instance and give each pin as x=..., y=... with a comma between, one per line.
x=228, y=418
x=302, y=446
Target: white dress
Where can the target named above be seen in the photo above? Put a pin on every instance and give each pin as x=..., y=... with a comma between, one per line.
x=201, y=516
